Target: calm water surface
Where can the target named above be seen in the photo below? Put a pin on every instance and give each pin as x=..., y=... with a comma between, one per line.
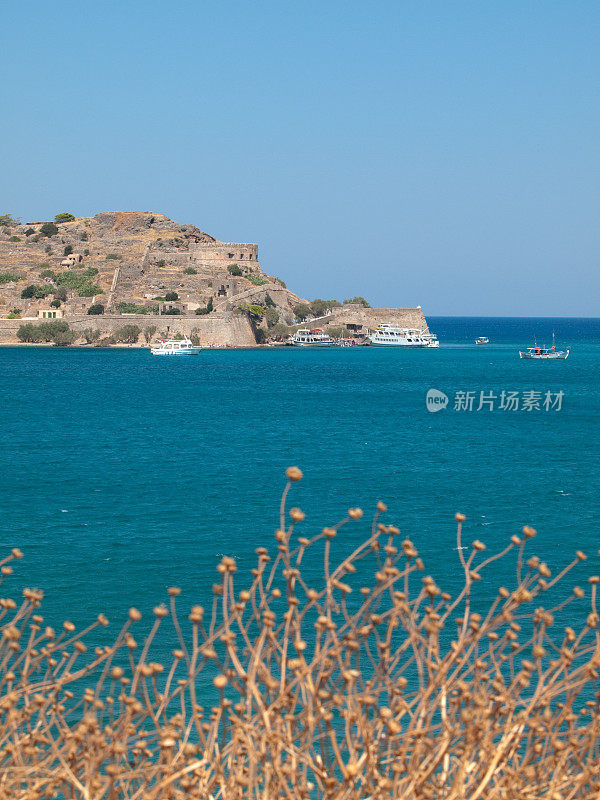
x=123, y=473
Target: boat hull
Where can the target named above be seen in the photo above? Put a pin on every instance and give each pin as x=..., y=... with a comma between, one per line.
x=545, y=356
x=312, y=344
x=421, y=345
x=192, y=352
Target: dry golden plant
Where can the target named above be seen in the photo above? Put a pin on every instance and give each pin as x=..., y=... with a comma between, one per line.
x=341, y=688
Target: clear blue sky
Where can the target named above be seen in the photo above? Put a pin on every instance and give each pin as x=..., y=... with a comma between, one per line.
x=437, y=153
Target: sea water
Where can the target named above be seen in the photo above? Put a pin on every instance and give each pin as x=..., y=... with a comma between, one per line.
x=123, y=473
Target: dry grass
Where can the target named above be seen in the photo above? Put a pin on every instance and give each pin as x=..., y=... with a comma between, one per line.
x=340, y=690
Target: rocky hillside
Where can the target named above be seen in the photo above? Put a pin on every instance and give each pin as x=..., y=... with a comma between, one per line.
x=129, y=262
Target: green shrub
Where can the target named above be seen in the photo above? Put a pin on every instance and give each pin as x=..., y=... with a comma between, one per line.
x=89, y=272
x=336, y=331
x=54, y=330
x=47, y=272
x=128, y=307
x=172, y=312
x=302, y=311
x=234, y=269
x=207, y=309
x=68, y=250
x=271, y=317
x=36, y=291
x=86, y=252
x=55, y=303
x=357, y=301
x=35, y=238
x=269, y=301
x=64, y=338
x=279, y=331
x=15, y=239
x=257, y=280
x=253, y=311
x=29, y=231
x=149, y=332
x=83, y=236
x=95, y=309
x=106, y=341
x=14, y=314
x=6, y=220
x=112, y=257
x=48, y=229
x=9, y=277
x=161, y=263
x=91, y=334
x=190, y=271
x=319, y=307
x=65, y=216
x=171, y=296
x=127, y=334
x=78, y=281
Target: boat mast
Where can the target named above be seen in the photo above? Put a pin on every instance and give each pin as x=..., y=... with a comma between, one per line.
x=553, y=345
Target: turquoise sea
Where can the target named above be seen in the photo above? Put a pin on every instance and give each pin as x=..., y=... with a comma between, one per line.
x=123, y=473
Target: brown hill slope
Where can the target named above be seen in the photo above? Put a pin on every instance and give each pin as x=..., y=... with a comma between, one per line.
x=134, y=258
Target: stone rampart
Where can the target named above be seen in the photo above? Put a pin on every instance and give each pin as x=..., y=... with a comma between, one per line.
x=223, y=329
x=364, y=319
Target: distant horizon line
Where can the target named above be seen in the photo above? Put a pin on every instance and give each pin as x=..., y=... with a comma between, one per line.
x=507, y=316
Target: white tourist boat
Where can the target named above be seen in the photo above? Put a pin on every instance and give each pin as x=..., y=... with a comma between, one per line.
x=544, y=352
x=482, y=340
x=176, y=347
x=314, y=337
x=389, y=336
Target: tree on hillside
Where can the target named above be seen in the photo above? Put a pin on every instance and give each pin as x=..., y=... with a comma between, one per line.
x=48, y=229
x=95, y=309
x=360, y=301
x=319, y=307
x=129, y=334
x=6, y=220
x=65, y=216
x=272, y=317
x=234, y=269
x=171, y=296
x=302, y=311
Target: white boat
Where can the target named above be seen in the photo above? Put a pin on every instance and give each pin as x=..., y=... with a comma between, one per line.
x=389, y=336
x=177, y=347
x=482, y=340
x=544, y=352
x=311, y=338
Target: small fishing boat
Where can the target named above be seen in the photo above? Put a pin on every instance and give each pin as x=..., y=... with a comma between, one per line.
x=311, y=338
x=544, y=352
x=482, y=340
x=176, y=347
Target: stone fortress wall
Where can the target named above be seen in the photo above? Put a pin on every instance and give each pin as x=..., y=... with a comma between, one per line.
x=224, y=329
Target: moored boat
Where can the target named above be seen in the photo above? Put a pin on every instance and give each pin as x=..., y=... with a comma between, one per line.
x=544, y=352
x=482, y=340
x=176, y=347
x=390, y=336
x=314, y=337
